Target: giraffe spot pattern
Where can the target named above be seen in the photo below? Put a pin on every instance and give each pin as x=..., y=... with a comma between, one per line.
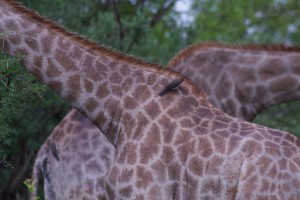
x=141, y=93
x=128, y=147
x=47, y=45
x=11, y=25
x=152, y=109
x=234, y=143
x=205, y=149
x=130, y=103
x=272, y=148
x=218, y=142
x=116, y=78
x=153, y=136
x=143, y=122
x=250, y=187
x=56, y=84
x=25, y=24
x=132, y=156
x=125, y=71
x=88, y=60
x=91, y=104
x=184, y=151
x=214, y=164
x=183, y=137
x=92, y=167
x=102, y=91
x=161, y=173
x=283, y=84
x=74, y=83
x=126, y=192
x=167, y=155
x=118, y=90
x=126, y=176
x=88, y=86
x=51, y=71
x=38, y=61
x=173, y=170
x=127, y=83
x=196, y=166
x=266, y=72
x=32, y=44
x=169, y=129
x=156, y=193
x=110, y=192
x=64, y=44
x=64, y=60
x=245, y=74
x=22, y=51
x=37, y=72
x=186, y=123
x=14, y=38
x=211, y=186
x=76, y=53
x=148, y=151
x=144, y=177
x=110, y=106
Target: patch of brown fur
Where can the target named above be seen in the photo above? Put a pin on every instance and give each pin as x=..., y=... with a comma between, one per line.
x=188, y=51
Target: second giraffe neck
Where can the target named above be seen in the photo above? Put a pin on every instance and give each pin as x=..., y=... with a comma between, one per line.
x=246, y=79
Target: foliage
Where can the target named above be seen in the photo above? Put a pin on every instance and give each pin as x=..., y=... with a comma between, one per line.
x=28, y=183
x=15, y=84
x=283, y=117
x=23, y=102
x=256, y=21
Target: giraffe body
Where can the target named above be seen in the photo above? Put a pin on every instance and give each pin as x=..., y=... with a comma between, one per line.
x=176, y=146
x=71, y=167
x=244, y=63
x=242, y=80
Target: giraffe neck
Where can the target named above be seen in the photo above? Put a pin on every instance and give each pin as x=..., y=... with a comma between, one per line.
x=116, y=92
x=242, y=81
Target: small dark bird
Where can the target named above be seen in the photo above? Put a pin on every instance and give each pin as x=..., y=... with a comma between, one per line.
x=170, y=86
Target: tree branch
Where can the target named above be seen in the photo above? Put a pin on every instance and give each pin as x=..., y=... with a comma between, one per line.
x=119, y=22
x=164, y=8
x=20, y=176
x=134, y=39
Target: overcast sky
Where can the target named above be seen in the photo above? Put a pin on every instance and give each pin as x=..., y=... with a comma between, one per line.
x=184, y=6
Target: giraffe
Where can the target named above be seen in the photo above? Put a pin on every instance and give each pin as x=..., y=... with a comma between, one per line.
x=195, y=62
x=67, y=172
x=174, y=145
x=255, y=76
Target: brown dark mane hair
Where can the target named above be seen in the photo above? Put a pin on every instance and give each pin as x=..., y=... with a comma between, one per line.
x=254, y=47
x=83, y=42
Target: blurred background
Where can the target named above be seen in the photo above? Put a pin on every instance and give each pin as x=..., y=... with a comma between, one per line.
x=152, y=30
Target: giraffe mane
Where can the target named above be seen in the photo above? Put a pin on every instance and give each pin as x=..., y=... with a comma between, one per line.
x=189, y=50
x=80, y=40
x=97, y=48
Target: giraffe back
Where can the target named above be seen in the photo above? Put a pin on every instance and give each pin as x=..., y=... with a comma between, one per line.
x=74, y=160
x=242, y=80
